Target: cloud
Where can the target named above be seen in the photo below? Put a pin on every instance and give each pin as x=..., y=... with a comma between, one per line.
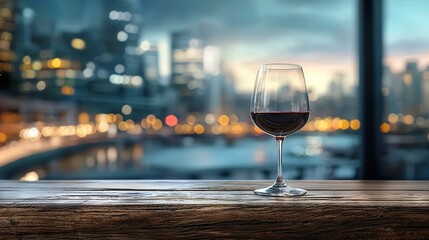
x=408, y=46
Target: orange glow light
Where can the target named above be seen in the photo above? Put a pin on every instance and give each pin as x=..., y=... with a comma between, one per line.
x=178, y=129
x=151, y=119
x=145, y=124
x=385, y=128
x=67, y=90
x=3, y=137
x=122, y=126
x=223, y=120
x=157, y=125
x=344, y=124
x=84, y=118
x=199, y=129
x=408, y=119
x=55, y=63
x=335, y=123
x=355, y=124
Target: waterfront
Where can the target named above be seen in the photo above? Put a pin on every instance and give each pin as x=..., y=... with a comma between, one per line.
x=305, y=157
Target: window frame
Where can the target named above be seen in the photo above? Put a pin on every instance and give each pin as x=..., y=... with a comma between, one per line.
x=370, y=54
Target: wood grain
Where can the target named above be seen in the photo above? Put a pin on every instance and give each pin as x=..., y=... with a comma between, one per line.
x=212, y=210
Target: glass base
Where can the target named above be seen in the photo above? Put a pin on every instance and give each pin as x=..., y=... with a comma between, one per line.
x=280, y=190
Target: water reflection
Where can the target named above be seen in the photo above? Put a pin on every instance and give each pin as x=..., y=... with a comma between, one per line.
x=305, y=157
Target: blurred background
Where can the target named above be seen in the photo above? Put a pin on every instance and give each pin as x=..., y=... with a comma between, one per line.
x=160, y=89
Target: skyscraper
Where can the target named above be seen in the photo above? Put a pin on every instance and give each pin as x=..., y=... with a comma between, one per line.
x=7, y=28
x=196, y=74
x=425, y=89
x=150, y=64
x=187, y=72
x=412, y=89
x=392, y=92
x=120, y=61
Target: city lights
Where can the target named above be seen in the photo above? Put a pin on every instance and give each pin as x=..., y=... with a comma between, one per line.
x=344, y=124
x=37, y=65
x=83, y=130
x=392, y=118
x=120, y=16
x=67, y=90
x=28, y=74
x=55, y=63
x=171, y=120
x=133, y=76
x=83, y=118
x=30, y=176
x=216, y=129
x=385, y=128
x=48, y=131
x=355, y=124
x=126, y=109
x=157, y=125
x=420, y=122
x=126, y=80
x=191, y=119
x=223, y=120
x=3, y=137
x=41, y=85
x=78, y=43
x=335, y=123
x=87, y=73
x=145, y=46
x=122, y=126
x=30, y=134
x=26, y=60
x=131, y=28
x=408, y=79
x=199, y=129
x=210, y=119
x=119, y=68
x=151, y=119
x=408, y=119
x=122, y=36
x=145, y=124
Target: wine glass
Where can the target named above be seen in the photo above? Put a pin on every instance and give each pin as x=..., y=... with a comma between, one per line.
x=280, y=107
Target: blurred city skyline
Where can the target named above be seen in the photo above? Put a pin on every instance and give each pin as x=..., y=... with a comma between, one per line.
x=206, y=55
x=328, y=49
x=180, y=74
x=322, y=41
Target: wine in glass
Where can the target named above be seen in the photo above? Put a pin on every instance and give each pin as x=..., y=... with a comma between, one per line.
x=280, y=107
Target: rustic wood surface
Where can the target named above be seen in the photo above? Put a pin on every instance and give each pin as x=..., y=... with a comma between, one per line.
x=212, y=209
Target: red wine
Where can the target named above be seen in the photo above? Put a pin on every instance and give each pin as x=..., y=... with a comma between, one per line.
x=280, y=123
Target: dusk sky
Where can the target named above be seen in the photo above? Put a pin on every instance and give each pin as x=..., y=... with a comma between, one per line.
x=319, y=35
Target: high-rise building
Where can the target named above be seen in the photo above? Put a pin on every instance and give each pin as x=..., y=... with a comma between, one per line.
x=392, y=92
x=425, y=77
x=187, y=70
x=7, y=29
x=120, y=62
x=150, y=65
x=196, y=74
x=412, y=90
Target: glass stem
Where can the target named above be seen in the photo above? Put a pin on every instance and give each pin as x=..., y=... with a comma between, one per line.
x=279, y=180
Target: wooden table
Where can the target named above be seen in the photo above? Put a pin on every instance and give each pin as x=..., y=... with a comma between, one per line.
x=213, y=209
